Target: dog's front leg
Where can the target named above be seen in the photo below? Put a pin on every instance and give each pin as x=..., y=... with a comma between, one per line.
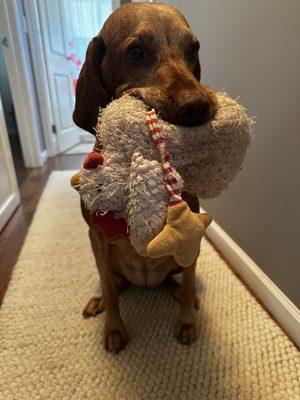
x=115, y=336
x=186, y=325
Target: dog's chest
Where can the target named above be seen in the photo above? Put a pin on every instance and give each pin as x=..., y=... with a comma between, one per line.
x=141, y=271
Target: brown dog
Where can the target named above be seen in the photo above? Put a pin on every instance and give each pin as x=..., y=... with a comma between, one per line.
x=148, y=50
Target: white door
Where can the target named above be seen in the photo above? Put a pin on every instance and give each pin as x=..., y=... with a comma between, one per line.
x=56, y=36
x=9, y=193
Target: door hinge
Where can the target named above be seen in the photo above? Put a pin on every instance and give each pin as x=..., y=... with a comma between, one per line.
x=54, y=128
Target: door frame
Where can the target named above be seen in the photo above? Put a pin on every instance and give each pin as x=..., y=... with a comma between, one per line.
x=32, y=15
x=31, y=11
x=12, y=202
x=21, y=79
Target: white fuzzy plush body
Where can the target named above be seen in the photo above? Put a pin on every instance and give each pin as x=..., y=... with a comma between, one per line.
x=205, y=157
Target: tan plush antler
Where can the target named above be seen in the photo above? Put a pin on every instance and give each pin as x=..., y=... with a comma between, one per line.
x=181, y=235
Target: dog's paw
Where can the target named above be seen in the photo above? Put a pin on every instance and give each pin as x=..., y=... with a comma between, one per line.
x=186, y=332
x=94, y=306
x=116, y=339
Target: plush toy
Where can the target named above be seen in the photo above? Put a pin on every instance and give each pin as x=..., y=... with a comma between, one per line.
x=133, y=188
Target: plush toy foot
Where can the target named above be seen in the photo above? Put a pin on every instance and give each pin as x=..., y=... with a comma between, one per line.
x=75, y=181
x=181, y=235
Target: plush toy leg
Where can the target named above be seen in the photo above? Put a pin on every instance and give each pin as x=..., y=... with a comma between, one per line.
x=181, y=235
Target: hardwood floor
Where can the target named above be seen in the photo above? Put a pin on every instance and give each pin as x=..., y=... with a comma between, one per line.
x=14, y=233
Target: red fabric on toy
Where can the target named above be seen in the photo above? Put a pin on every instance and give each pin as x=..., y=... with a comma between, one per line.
x=111, y=224
x=93, y=160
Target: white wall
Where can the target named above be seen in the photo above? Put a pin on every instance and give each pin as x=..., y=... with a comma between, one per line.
x=252, y=48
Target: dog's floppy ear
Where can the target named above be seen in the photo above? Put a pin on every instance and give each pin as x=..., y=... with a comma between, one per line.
x=90, y=93
x=197, y=70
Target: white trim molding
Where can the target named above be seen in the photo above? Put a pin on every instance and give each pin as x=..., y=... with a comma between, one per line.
x=8, y=208
x=274, y=300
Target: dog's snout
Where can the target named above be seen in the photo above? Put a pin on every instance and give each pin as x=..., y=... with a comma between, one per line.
x=194, y=110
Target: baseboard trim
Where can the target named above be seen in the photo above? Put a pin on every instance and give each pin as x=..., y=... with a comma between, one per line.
x=43, y=157
x=8, y=208
x=275, y=301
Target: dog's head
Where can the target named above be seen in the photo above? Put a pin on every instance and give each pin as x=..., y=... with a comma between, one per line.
x=148, y=50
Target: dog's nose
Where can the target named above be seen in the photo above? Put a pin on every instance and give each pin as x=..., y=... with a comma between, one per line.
x=194, y=111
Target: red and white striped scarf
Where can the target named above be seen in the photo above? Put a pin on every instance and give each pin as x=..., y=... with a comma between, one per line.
x=171, y=182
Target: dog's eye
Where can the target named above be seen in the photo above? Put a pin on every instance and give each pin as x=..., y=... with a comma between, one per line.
x=193, y=50
x=136, y=53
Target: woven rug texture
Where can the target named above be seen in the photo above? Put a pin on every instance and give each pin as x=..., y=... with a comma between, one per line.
x=48, y=351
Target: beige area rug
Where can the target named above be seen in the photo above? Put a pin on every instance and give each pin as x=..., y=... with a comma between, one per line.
x=48, y=351
x=81, y=148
